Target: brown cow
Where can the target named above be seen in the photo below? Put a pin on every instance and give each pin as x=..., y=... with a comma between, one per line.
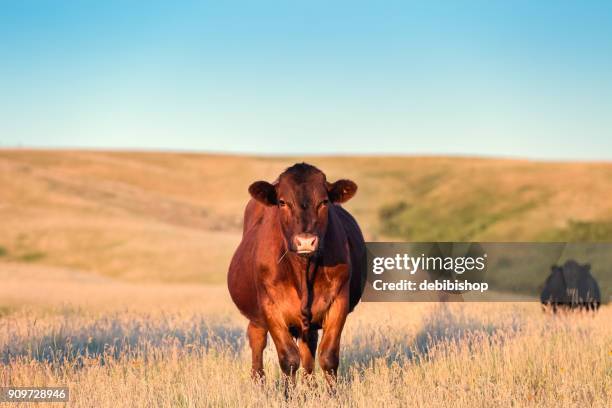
x=299, y=268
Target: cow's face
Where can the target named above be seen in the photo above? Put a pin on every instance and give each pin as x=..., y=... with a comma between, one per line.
x=303, y=197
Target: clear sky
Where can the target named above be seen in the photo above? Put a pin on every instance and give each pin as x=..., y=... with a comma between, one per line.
x=514, y=78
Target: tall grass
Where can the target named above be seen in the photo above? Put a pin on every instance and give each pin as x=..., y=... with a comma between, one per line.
x=392, y=355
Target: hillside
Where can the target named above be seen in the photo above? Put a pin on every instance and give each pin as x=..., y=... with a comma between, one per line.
x=177, y=216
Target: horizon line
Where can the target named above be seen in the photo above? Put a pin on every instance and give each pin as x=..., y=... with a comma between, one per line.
x=141, y=150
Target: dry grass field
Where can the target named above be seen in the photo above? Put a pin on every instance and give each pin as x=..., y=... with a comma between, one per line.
x=112, y=267
x=179, y=346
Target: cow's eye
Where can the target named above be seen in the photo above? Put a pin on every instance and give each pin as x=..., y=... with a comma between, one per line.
x=324, y=203
x=282, y=203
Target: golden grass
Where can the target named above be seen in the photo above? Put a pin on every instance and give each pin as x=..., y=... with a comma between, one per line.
x=173, y=352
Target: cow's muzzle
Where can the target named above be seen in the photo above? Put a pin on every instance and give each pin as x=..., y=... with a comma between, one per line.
x=306, y=244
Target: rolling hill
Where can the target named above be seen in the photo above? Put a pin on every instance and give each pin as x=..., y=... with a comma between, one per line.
x=176, y=217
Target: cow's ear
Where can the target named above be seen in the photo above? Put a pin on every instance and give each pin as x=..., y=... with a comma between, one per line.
x=341, y=191
x=263, y=192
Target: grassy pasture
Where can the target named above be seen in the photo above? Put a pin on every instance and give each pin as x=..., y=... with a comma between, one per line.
x=112, y=267
x=184, y=346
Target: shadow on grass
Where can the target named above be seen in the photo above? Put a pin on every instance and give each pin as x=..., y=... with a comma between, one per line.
x=73, y=340
x=443, y=328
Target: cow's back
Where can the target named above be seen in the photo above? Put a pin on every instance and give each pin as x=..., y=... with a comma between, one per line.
x=241, y=275
x=588, y=290
x=555, y=290
x=357, y=253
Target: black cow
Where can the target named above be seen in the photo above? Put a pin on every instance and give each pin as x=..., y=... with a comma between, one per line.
x=571, y=286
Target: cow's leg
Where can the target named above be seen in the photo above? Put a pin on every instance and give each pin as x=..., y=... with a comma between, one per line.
x=286, y=348
x=329, y=350
x=308, y=348
x=258, y=337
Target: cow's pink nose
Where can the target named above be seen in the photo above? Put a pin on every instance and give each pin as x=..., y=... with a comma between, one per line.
x=305, y=243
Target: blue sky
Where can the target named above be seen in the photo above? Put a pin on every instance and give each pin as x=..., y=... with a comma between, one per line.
x=514, y=79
